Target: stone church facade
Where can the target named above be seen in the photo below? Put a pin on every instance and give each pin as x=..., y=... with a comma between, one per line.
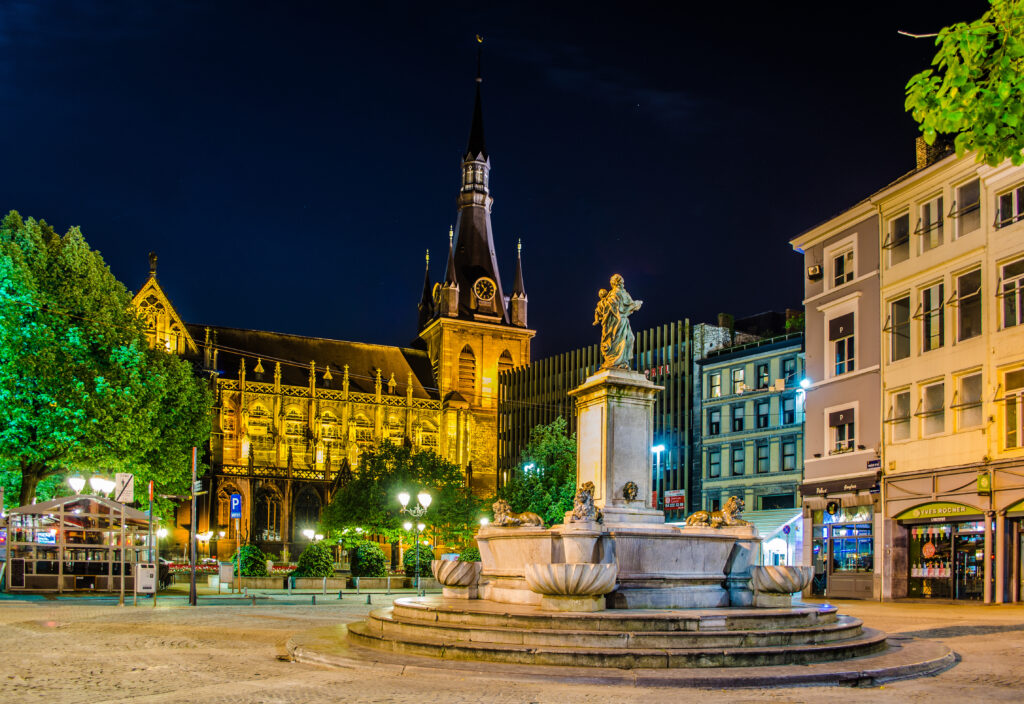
x=292, y=414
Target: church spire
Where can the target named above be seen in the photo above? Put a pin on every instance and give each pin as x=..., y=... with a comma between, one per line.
x=477, y=145
x=426, y=306
x=449, y=277
x=517, y=301
x=520, y=288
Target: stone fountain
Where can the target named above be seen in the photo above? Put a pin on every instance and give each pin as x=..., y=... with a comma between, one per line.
x=614, y=586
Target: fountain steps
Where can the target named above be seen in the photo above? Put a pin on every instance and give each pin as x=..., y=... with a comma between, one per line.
x=640, y=641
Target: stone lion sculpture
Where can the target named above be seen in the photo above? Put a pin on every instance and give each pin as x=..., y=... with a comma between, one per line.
x=583, y=508
x=728, y=516
x=505, y=516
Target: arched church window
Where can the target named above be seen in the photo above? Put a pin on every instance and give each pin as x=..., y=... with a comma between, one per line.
x=294, y=428
x=224, y=520
x=504, y=362
x=268, y=515
x=467, y=369
x=307, y=511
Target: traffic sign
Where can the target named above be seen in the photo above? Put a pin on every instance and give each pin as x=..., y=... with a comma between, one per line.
x=236, y=506
x=124, y=490
x=197, y=486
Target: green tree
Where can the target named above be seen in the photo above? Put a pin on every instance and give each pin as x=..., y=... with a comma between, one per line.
x=80, y=390
x=315, y=561
x=546, y=480
x=976, y=89
x=368, y=560
x=369, y=500
x=253, y=561
x=409, y=561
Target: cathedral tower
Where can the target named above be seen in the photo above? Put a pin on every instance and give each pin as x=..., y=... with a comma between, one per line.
x=474, y=330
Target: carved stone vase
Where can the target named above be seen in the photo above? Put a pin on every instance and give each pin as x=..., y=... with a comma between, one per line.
x=568, y=586
x=458, y=579
x=774, y=585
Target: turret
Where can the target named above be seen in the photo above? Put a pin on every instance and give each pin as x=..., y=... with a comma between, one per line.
x=517, y=302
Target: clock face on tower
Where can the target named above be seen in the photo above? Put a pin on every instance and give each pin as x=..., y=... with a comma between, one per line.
x=484, y=289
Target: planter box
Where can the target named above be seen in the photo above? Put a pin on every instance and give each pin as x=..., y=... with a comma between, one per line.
x=261, y=582
x=318, y=582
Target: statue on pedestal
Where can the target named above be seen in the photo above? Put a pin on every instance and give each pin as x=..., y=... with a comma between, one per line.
x=612, y=314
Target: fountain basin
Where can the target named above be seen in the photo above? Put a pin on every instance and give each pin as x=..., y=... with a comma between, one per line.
x=774, y=585
x=569, y=586
x=458, y=579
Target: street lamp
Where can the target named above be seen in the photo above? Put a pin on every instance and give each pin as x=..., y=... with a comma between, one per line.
x=76, y=484
x=484, y=521
x=657, y=450
x=424, y=500
x=309, y=533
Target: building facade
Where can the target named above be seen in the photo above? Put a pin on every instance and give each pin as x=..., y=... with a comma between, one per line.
x=293, y=414
x=952, y=280
x=842, y=429
x=752, y=435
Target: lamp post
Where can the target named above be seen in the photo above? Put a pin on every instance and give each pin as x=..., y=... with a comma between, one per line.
x=657, y=450
x=418, y=511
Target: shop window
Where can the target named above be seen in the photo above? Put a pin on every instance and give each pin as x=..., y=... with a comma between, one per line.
x=773, y=502
x=899, y=329
x=946, y=561
x=899, y=415
x=842, y=429
x=933, y=409
x=788, y=411
x=737, y=459
x=714, y=421
x=762, y=414
x=738, y=386
x=788, y=455
x=737, y=419
x=933, y=333
x=852, y=548
x=1012, y=293
x=841, y=336
x=929, y=226
x=1010, y=206
x=968, y=207
x=1014, y=400
x=842, y=268
x=968, y=305
x=762, y=457
x=762, y=376
x=968, y=401
x=715, y=385
x=714, y=463
x=898, y=239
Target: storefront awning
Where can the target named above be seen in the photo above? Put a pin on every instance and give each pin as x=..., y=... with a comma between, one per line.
x=850, y=485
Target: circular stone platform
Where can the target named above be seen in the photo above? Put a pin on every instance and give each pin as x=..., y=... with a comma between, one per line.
x=702, y=648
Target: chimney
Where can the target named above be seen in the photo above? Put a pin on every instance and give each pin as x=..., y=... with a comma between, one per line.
x=928, y=154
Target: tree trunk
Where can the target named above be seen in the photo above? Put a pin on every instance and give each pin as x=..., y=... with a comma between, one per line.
x=30, y=477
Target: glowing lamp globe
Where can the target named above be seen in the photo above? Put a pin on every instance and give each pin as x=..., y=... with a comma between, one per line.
x=403, y=498
x=76, y=484
x=424, y=499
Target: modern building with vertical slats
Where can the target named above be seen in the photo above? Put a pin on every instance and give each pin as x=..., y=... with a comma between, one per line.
x=538, y=393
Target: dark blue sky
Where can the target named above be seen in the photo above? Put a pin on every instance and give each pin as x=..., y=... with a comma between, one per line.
x=290, y=162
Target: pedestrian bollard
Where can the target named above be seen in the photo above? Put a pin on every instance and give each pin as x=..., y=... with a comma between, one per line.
x=357, y=585
x=367, y=598
x=245, y=591
x=339, y=594
x=314, y=600
x=389, y=585
x=254, y=600
x=325, y=586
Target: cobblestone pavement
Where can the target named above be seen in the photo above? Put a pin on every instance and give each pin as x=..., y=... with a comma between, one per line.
x=93, y=651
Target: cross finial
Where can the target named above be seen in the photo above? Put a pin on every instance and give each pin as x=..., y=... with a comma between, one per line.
x=428, y=257
x=519, y=246
x=451, y=234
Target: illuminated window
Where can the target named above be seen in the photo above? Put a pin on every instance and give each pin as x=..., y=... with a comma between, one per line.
x=842, y=429
x=968, y=207
x=762, y=457
x=899, y=415
x=1014, y=400
x=933, y=329
x=968, y=402
x=933, y=413
x=1010, y=206
x=930, y=224
x=714, y=462
x=968, y=305
x=841, y=335
x=842, y=268
x=737, y=381
x=1012, y=292
x=715, y=387
x=736, y=464
x=898, y=240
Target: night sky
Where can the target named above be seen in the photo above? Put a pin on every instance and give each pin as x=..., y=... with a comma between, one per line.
x=290, y=162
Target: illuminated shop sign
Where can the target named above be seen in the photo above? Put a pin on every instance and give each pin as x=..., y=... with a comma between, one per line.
x=938, y=510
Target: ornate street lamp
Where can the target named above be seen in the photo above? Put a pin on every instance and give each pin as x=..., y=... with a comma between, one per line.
x=76, y=484
x=424, y=500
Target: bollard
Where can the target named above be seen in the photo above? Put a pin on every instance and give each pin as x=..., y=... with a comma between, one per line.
x=254, y=600
x=314, y=600
x=357, y=585
x=325, y=586
x=389, y=585
x=339, y=593
x=367, y=598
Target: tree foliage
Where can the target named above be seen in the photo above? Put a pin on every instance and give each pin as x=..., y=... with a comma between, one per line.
x=368, y=560
x=409, y=561
x=370, y=499
x=315, y=561
x=80, y=390
x=976, y=89
x=470, y=554
x=548, y=486
x=252, y=560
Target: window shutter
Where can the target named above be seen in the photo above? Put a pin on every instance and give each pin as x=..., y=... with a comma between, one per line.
x=840, y=417
x=840, y=327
